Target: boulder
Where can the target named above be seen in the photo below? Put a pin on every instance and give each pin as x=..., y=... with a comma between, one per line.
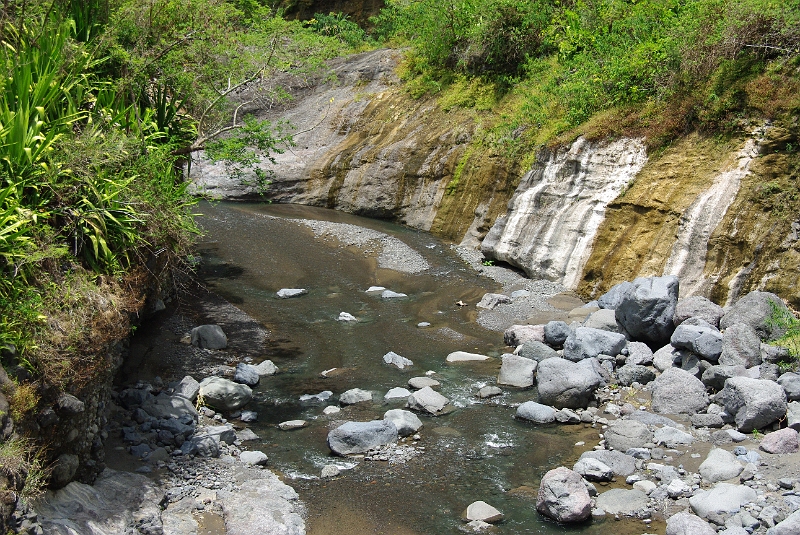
x=720, y=465
x=418, y=383
x=646, y=308
x=187, y=388
x=427, y=400
x=789, y=526
x=640, y=354
x=253, y=458
x=69, y=405
x=520, y=334
x=291, y=425
x=593, y=470
x=678, y=392
x=482, y=511
x=672, y=437
x=707, y=420
x=346, y=317
x=622, y=435
x=360, y=437
x=516, y=371
x=622, y=464
x=266, y=367
x=220, y=433
x=723, y=498
x=166, y=406
x=622, y=501
x=704, y=340
x=779, y=442
x=489, y=391
x=288, y=293
x=406, y=422
x=634, y=373
x=793, y=415
x=566, y=384
x=669, y=356
x=397, y=393
x=685, y=523
x=612, y=298
x=536, y=413
x=791, y=385
x=563, y=496
x=754, y=403
x=224, y=395
x=209, y=337
x=715, y=376
x=697, y=307
x=755, y=309
x=605, y=320
x=355, y=395
x=246, y=374
x=393, y=359
x=740, y=346
x=587, y=342
x=463, y=356
x=536, y=351
x=555, y=332
x=489, y=301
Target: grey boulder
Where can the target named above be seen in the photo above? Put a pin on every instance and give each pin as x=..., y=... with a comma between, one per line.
x=720, y=465
x=427, y=400
x=685, y=523
x=209, y=337
x=288, y=293
x=224, y=395
x=355, y=395
x=622, y=435
x=605, y=320
x=563, y=496
x=678, y=392
x=520, y=334
x=613, y=297
x=740, y=346
x=704, y=339
x=789, y=526
x=555, y=332
x=565, y=384
x=587, y=342
x=622, y=501
x=593, y=470
x=393, y=359
x=755, y=310
x=640, y=354
x=619, y=462
x=723, y=498
x=406, y=422
x=246, y=374
x=791, y=385
x=536, y=413
x=715, y=376
x=536, y=351
x=516, y=371
x=646, y=308
x=753, y=403
x=697, y=307
x=635, y=373
x=490, y=301
x=359, y=437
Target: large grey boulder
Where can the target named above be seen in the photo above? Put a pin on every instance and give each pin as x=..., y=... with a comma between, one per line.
x=678, y=392
x=605, y=320
x=720, y=465
x=612, y=298
x=723, y=498
x=639, y=354
x=791, y=385
x=789, y=526
x=566, y=384
x=536, y=351
x=166, y=406
x=669, y=356
x=702, y=339
x=563, y=496
x=634, y=373
x=593, y=470
x=209, y=337
x=755, y=310
x=715, y=376
x=646, y=308
x=427, y=400
x=622, y=501
x=587, y=342
x=406, y=422
x=754, y=403
x=224, y=395
x=697, y=307
x=619, y=462
x=740, y=346
x=536, y=413
x=555, y=332
x=359, y=437
x=521, y=334
x=516, y=371
x=685, y=523
x=246, y=374
x=623, y=435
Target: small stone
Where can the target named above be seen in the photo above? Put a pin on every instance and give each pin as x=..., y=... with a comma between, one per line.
x=292, y=424
x=330, y=470
x=287, y=293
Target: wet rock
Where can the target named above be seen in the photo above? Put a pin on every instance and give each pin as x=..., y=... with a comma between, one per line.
x=625, y=434
x=563, y=496
x=567, y=384
x=791, y=385
x=166, y=406
x=482, y=511
x=587, y=342
x=346, y=317
x=755, y=309
x=224, y=395
x=355, y=395
x=556, y=332
x=754, y=403
x=209, y=337
x=715, y=376
x=678, y=392
x=646, y=308
x=520, y=334
x=593, y=470
x=397, y=393
x=406, y=422
x=640, y=354
x=779, y=442
x=291, y=425
x=360, y=437
x=489, y=301
x=419, y=383
x=330, y=470
x=622, y=501
x=740, y=346
x=723, y=498
x=248, y=416
x=246, y=374
x=720, y=465
x=389, y=294
x=536, y=413
x=516, y=371
x=266, y=367
x=463, y=356
x=634, y=373
x=697, y=307
x=685, y=523
x=489, y=392
x=253, y=458
x=536, y=351
x=288, y=293
x=704, y=340
x=427, y=400
x=393, y=359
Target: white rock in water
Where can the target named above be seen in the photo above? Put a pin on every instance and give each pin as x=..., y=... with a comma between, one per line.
x=331, y=409
x=292, y=424
x=322, y=396
x=422, y=324
x=427, y=400
x=375, y=289
x=463, y=356
x=253, y=458
x=397, y=393
x=330, y=470
x=394, y=359
x=286, y=293
x=388, y=294
x=482, y=511
x=345, y=316
x=266, y=367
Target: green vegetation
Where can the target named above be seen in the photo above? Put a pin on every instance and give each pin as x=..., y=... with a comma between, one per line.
x=784, y=321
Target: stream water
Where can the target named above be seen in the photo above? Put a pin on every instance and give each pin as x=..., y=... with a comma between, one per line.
x=476, y=452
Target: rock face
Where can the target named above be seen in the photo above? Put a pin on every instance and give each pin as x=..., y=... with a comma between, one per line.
x=566, y=384
x=563, y=496
x=647, y=307
x=359, y=437
x=587, y=342
x=678, y=392
x=516, y=371
x=754, y=403
x=224, y=395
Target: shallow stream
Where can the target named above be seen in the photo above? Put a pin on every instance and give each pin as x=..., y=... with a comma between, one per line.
x=476, y=452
